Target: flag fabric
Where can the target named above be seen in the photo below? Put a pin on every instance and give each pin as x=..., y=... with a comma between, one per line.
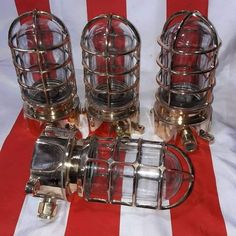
x=210, y=209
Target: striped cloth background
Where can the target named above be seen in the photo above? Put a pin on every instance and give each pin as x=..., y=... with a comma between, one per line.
x=210, y=210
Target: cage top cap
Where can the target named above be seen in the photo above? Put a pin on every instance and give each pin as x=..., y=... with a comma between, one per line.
x=189, y=32
x=109, y=34
x=37, y=30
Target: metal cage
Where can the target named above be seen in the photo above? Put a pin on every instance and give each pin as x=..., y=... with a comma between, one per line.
x=131, y=172
x=188, y=59
x=41, y=53
x=111, y=60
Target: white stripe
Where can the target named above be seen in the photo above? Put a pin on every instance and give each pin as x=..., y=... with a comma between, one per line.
x=74, y=15
x=139, y=221
x=10, y=101
x=29, y=224
x=8, y=13
x=223, y=17
x=148, y=18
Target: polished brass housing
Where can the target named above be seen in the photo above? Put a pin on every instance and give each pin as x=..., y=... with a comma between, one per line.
x=131, y=172
x=188, y=59
x=41, y=53
x=111, y=61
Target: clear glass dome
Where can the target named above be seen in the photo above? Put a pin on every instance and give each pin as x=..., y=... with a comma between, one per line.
x=110, y=35
x=43, y=57
x=41, y=50
x=188, y=59
x=32, y=35
x=111, y=61
x=155, y=175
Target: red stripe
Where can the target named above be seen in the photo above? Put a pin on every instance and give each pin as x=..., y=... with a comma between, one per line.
x=201, y=213
x=16, y=154
x=23, y=6
x=95, y=8
x=96, y=218
x=174, y=6
x=15, y=160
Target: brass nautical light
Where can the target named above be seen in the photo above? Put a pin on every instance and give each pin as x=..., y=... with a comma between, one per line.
x=188, y=60
x=41, y=53
x=131, y=172
x=111, y=60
